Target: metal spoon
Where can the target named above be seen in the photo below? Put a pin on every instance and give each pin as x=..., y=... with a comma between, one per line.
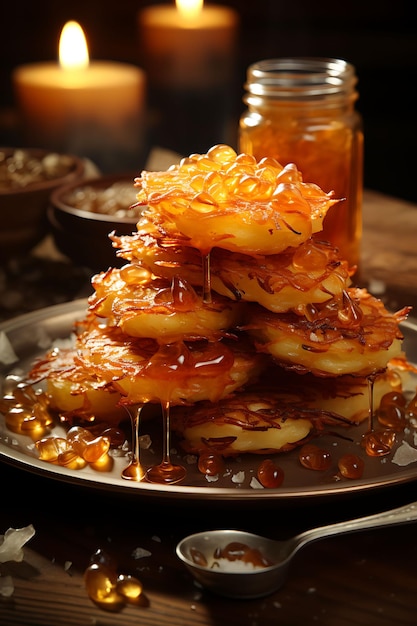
x=238, y=581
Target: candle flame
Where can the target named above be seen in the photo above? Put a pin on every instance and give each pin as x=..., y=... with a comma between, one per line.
x=189, y=9
x=73, y=51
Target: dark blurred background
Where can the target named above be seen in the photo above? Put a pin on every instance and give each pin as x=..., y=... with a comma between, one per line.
x=379, y=38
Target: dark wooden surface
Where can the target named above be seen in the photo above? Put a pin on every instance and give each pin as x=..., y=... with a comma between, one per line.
x=363, y=579
x=366, y=579
x=389, y=246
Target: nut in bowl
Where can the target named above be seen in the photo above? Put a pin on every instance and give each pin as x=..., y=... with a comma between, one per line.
x=83, y=214
x=27, y=178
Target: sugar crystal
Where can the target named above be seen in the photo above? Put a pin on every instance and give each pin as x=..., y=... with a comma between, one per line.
x=405, y=455
x=12, y=542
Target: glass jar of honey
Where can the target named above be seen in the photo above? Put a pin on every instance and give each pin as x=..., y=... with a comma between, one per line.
x=302, y=111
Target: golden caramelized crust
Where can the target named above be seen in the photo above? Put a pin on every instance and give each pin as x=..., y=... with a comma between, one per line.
x=142, y=370
x=74, y=392
x=231, y=201
x=164, y=310
x=278, y=417
x=346, y=396
x=311, y=273
x=355, y=335
x=246, y=422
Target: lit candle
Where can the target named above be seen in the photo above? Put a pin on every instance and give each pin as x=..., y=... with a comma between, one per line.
x=188, y=46
x=88, y=108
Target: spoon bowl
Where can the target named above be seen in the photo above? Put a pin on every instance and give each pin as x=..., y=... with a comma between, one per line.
x=219, y=561
x=238, y=579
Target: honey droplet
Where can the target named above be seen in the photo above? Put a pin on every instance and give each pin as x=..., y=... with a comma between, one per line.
x=210, y=463
x=106, y=587
x=412, y=411
x=129, y=587
x=115, y=435
x=270, y=475
x=50, y=448
x=71, y=459
x=378, y=442
x=315, y=458
x=100, y=582
x=351, y=466
x=96, y=449
x=392, y=411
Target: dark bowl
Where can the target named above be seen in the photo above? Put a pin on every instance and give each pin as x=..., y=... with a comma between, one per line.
x=24, y=198
x=80, y=231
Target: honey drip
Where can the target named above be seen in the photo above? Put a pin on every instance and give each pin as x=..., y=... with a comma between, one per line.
x=135, y=471
x=376, y=442
x=207, y=297
x=371, y=383
x=166, y=472
x=180, y=295
x=350, y=314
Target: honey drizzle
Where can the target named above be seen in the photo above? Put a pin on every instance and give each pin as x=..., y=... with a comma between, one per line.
x=134, y=471
x=166, y=472
x=207, y=297
x=376, y=442
x=371, y=414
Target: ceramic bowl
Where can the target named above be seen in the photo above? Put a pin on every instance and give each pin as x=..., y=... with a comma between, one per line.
x=82, y=215
x=27, y=178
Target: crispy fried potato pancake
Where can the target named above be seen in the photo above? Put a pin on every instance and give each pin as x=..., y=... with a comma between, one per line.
x=264, y=420
x=311, y=273
x=74, y=392
x=179, y=373
x=231, y=201
x=355, y=336
x=247, y=422
x=164, y=310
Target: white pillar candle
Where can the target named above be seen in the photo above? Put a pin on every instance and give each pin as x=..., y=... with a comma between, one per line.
x=193, y=51
x=85, y=108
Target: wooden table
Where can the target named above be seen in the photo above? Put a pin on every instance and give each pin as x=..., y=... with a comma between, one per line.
x=367, y=579
x=389, y=247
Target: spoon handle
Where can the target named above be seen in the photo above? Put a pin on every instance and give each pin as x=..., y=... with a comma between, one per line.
x=402, y=515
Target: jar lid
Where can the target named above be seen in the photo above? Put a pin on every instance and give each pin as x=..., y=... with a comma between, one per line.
x=299, y=78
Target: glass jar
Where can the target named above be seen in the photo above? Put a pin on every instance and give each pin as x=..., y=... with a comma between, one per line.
x=302, y=110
